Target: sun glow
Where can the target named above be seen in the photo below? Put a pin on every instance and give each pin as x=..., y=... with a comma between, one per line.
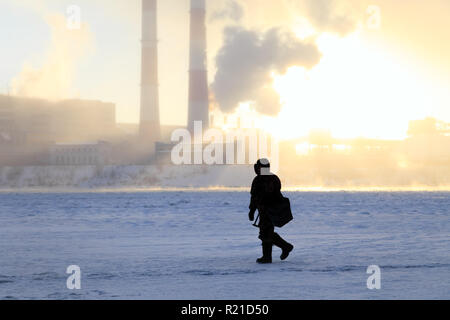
x=355, y=90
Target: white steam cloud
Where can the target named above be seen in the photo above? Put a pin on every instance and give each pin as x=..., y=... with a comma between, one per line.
x=232, y=11
x=246, y=61
x=54, y=79
x=331, y=15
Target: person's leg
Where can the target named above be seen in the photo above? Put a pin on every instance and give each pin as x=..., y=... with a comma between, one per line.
x=283, y=244
x=279, y=241
x=267, y=253
x=266, y=231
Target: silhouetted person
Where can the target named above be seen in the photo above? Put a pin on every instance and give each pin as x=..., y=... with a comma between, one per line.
x=266, y=192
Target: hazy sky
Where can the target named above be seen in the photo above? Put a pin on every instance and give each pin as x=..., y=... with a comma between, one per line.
x=366, y=79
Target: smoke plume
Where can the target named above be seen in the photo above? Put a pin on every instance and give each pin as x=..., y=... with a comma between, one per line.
x=54, y=79
x=331, y=15
x=232, y=11
x=246, y=61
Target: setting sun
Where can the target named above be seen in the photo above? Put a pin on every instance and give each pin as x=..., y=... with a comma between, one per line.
x=358, y=90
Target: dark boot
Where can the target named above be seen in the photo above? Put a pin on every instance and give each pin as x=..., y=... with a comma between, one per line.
x=267, y=253
x=286, y=251
x=285, y=246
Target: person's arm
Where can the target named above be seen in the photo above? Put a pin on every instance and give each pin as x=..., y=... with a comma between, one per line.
x=252, y=206
x=278, y=187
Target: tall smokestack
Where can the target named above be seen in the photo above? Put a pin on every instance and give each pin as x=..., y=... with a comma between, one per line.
x=198, y=85
x=149, y=129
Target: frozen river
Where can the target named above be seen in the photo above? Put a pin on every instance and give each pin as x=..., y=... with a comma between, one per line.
x=200, y=245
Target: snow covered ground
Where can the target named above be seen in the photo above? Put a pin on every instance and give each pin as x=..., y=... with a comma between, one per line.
x=200, y=245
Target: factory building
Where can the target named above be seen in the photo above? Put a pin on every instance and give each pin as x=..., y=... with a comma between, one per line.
x=29, y=127
x=39, y=121
x=79, y=154
x=24, y=120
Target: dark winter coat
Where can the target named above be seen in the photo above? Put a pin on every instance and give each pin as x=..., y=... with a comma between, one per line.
x=265, y=192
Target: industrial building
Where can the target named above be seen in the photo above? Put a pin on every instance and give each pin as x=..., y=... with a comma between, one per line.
x=92, y=153
x=30, y=127
x=38, y=121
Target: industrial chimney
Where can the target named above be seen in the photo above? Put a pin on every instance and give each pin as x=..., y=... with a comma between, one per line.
x=198, y=85
x=149, y=130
